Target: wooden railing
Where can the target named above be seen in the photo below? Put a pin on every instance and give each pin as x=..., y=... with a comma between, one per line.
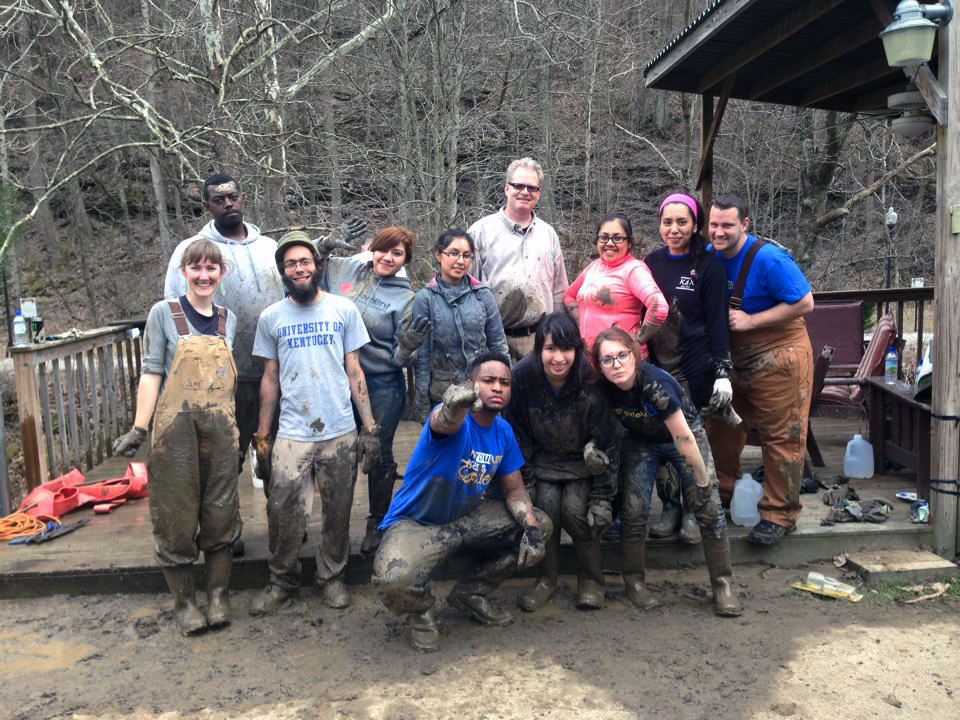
x=75, y=396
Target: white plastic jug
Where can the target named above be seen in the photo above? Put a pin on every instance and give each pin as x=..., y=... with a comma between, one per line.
x=746, y=494
x=858, y=461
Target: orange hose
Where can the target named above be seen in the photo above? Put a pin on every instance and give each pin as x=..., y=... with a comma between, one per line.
x=20, y=524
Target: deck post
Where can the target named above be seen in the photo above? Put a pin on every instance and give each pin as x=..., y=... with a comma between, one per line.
x=31, y=427
x=945, y=433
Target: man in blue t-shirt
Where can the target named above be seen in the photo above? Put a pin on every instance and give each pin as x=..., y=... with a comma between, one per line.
x=772, y=373
x=440, y=509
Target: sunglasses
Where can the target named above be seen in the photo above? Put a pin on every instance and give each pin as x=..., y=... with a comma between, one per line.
x=523, y=187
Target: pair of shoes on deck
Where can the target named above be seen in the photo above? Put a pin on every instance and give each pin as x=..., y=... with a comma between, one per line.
x=768, y=533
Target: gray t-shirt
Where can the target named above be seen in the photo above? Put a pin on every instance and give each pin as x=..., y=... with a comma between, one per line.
x=310, y=342
x=160, y=338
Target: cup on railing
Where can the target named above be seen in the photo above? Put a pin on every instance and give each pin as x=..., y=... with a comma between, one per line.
x=916, y=282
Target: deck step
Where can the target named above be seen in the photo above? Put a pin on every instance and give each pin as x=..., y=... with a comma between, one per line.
x=901, y=566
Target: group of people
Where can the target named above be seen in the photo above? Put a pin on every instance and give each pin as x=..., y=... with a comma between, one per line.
x=545, y=405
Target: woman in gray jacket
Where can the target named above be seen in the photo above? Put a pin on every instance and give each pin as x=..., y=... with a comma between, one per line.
x=384, y=301
x=463, y=316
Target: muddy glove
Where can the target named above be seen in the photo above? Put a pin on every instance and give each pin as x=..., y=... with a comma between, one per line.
x=412, y=338
x=368, y=448
x=129, y=443
x=345, y=237
x=456, y=398
x=532, y=548
x=599, y=515
x=264, y=449
x=595, y=459
x=722, y=393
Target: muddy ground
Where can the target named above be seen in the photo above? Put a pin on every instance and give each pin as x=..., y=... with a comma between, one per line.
x=790, y=655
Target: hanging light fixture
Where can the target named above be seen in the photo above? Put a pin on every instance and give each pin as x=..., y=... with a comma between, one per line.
x=914, y=118
x=908, y=40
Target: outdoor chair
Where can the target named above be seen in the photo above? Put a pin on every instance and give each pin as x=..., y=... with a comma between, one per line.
x=840, y=326
x=843, y=392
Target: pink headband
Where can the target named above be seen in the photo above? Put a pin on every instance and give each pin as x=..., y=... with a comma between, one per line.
x=680, y=198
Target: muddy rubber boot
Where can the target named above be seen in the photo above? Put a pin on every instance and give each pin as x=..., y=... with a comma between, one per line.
x=689, y=529
x=545, y=585
x=270, y=600
x=380, y=489
x=423, y=633
x=716, y=551
x=185, y=611
x=335, y=594
x=633, y=558
x=470, y=594
x=219, y=568
x=668, y=490
x=590, y=586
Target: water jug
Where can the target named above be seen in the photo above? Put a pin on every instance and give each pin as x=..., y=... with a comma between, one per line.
x=746, y=495
x=858, y=462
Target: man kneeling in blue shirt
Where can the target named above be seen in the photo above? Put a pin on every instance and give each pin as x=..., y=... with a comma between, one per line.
x=441, y=510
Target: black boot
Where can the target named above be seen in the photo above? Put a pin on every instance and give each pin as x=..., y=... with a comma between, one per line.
x=633, y=559
x=668, y=490
x=470, y=594
x=219, y=568
x=380, y=483
x=188, y=616
x=545, y=586
x=590, y=585
x=716, y=551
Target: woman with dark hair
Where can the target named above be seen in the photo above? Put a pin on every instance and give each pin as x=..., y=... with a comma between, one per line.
x=661, y=426
x=385, y=301
x=694, y=345
x=571, y=445
x=463, y=316
x=616, y=288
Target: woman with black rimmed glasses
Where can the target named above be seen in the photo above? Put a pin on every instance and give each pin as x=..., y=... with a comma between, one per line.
x=464, y=321
x=616, y=289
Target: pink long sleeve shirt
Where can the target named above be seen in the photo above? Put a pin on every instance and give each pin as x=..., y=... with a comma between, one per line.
x=615, y=294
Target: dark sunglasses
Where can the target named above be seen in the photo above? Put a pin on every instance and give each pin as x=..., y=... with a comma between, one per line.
x=521, y=187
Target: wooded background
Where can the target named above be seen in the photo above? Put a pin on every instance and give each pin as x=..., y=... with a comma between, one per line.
x=404, y=111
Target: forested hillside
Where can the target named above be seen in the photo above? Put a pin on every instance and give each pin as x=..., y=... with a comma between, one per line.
x=405, y=111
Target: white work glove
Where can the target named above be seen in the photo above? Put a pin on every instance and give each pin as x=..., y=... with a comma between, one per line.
x=722, y=393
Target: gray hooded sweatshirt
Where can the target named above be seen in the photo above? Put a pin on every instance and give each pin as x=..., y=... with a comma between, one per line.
x=252, y=283
x=384, y=303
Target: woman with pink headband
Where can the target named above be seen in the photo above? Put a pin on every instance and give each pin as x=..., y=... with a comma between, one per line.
x=694, y=345
x=616, y=288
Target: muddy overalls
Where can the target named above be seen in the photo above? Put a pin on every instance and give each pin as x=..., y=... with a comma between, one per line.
x=194, y=502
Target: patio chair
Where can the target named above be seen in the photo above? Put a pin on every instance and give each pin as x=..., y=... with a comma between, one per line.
x=839, y=325
x=841, y=392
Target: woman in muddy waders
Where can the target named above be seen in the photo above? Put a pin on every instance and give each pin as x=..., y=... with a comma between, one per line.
x=661, y=426
x=464, y=321
x=187, y=388
x=694, y=344
x=616, y=288
x=385, y=302
x=571, y=446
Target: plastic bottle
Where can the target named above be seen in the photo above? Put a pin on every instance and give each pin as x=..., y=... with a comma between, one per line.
x=19, y=329
x=890, y=366
x=858, y=460
x=252, y=459
x=746, y=494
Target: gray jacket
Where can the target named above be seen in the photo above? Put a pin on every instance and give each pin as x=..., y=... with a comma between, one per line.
x=384, y=303
x=465, y=323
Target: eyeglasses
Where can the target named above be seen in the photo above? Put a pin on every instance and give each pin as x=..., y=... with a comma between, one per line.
x=523, y=187
x=302, y=262
x=603, y=239
x=621, y=358
x=456, y=255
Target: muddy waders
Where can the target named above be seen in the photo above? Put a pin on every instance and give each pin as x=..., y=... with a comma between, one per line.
x=194, y=503
x=590, y=585
x=633, y=566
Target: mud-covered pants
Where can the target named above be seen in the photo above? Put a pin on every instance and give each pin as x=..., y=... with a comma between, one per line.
x=330, y=467
x=192, y=465
x=639, y=462
x=565, y=503
x=410, y=551
x=772, y=380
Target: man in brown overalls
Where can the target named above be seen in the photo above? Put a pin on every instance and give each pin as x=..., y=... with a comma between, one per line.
x=772, y=367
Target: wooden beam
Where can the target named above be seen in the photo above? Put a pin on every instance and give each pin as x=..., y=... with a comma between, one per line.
x=713, y=23
x=705, y=178
x=945, y=435
x=707, y=141
x=821, y=55
x=788, y=25
x=847, y=81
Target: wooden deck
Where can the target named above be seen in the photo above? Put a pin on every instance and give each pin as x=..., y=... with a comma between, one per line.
x=114, y=552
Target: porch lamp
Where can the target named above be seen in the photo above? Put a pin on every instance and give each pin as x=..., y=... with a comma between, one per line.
x=908, y=40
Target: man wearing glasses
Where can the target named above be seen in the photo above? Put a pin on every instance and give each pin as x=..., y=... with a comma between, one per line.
x=519, y=256
x=309, y=345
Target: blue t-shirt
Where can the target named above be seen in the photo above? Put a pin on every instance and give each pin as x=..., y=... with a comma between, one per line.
x=774, y=278
x=448, y=474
